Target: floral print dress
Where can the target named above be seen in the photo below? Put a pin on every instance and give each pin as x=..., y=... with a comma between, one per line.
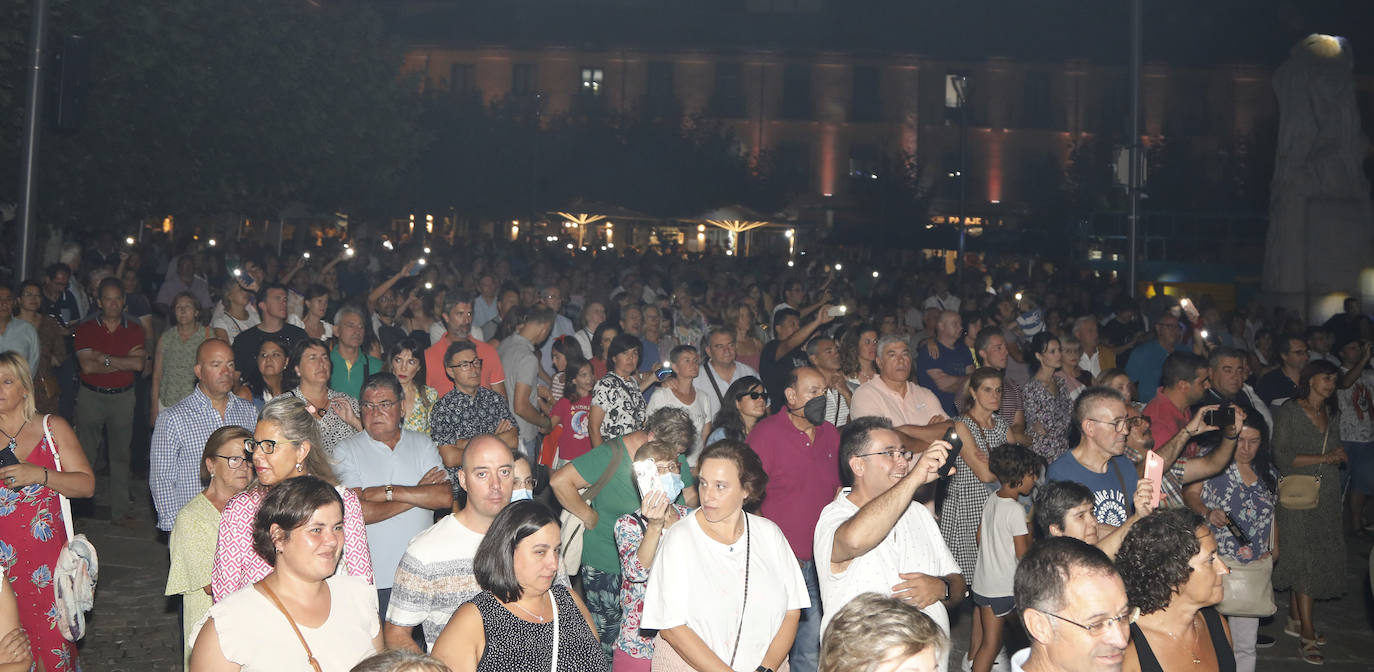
x=31, y=537
x=1048, y=416
x=634, y=579
x=623, y=403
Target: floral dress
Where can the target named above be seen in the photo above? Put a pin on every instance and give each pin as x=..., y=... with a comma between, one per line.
x=1048, y=416
x=634, y=578
x=1250, y=505
x=418, y=418
x=31, y=537
x=333, y=429
x=623, y=404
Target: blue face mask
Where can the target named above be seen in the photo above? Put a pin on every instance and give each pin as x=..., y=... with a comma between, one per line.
x=672, y=484
x=522, y=493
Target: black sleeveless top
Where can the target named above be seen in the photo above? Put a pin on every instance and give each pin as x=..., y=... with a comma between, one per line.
x=1226, y=658
x=516, y=645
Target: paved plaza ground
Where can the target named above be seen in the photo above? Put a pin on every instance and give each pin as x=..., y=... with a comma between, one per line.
x=134, y=628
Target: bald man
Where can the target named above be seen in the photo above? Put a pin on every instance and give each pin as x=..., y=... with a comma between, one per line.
x=181, y=431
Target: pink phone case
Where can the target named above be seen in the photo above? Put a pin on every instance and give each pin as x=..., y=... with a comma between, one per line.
x=1154, y=470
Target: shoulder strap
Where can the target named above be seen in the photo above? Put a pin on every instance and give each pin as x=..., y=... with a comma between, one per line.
x=711, y=376
x=553, y=600
x=1130, y=502
x=310, y=656
x=57, y=461
x=618, y=446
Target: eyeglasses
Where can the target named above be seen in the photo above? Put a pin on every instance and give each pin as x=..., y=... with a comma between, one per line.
x=1100, y=628
x=892, y=453
x=236, y=461
x=1119, y=423
x=378, y=406
x=527, y=483
x=268, y=446
x=475, y=363
x=756, y=395
x=1140, y=420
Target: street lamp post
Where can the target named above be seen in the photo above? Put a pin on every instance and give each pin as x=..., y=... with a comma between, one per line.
x=961, y=89
x=32, y=106
x=1133, y=172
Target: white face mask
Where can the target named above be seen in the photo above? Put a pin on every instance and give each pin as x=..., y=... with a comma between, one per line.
x=517, y=495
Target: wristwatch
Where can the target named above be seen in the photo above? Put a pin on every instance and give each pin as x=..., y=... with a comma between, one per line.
x=390, y=492
x=763, y=669
x=947, y=586
x=107, y=361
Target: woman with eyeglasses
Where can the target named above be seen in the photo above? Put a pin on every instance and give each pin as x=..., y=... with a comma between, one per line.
x=228, y=468
x=286, y=444
x=307, y=376
x=406, y=361
x=1172, y=570
x=735, y=420
x=637, y=536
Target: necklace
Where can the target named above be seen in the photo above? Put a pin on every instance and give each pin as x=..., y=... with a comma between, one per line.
x=1193, y=649
x=13, y=444
x=531, y=613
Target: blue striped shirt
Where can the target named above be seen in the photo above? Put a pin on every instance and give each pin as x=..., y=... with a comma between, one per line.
x=178, y=443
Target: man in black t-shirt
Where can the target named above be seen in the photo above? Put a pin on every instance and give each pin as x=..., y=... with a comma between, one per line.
x=272, y=309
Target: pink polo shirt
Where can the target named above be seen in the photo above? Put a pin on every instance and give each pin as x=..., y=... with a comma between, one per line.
x=803, y=476
x=916, y=407
x=1166, y=419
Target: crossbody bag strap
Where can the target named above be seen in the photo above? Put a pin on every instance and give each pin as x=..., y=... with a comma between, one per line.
x=57, y=461
x=711, y=376
x=1130, y=503
x=553, y=599
x=310, y=656
x=606, y=476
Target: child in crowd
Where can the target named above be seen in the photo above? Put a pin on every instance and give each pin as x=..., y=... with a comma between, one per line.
x=571, y=412
x=1002, y=539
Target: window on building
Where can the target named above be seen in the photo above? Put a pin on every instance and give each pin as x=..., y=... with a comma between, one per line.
x=727, y=100
x=796, y=91
x=524, y=79
x=864, y=161
x=1037, y=110
x=660, y=97
x=592, y=79
x=866, y=104
x=792, y=165
x=954, y=98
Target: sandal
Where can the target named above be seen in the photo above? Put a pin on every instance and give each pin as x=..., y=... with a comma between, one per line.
x=1310, y=653
x=1294, y=629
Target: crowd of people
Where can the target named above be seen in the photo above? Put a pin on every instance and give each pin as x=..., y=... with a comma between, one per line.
x=486, y=455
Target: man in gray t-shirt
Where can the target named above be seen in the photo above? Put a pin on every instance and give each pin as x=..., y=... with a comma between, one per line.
x=521, y=362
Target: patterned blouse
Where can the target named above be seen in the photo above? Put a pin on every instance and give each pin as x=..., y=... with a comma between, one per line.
x=418, y=418
x=634, y=579
x=238, y=565
x=178, y=361
x=623, y=404
x=1048, y=417
x=333, y=429
x=1251, y=506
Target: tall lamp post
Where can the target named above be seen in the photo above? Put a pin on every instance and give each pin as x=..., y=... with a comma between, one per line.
x=960, y=83
x=1133, y=172
x=32, y=106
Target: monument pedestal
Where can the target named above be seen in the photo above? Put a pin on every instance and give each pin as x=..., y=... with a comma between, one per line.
x=1312, y=267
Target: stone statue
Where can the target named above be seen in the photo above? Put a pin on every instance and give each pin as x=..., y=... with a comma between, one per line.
x=1320, y=233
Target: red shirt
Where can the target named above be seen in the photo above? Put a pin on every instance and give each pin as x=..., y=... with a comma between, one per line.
x=1166, y=419
x=573, y=417
x=492, y=372
x=92, y=335
x=803, y=476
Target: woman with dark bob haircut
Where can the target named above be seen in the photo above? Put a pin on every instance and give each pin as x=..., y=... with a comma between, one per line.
x=305, y=614
x=1172, y=572
x=520, y=621
x=618, y=406
x=726, y=590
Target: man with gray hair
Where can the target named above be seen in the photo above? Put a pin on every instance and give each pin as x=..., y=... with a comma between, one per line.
x=1095, y=358
x=350, y=365
x=521, y=362
x=914, y=410
x=1098, y=461
x=721, y=368
x=1073, y=605
x=397, y=475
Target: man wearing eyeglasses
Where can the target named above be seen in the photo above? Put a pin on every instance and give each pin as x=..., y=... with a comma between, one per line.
x=1097, y=461
x=1147, y=359
x=1073, y=605
x=397, y=475
x=468, y=409
x=873, y=537
x=180, y=433
x=458, y=318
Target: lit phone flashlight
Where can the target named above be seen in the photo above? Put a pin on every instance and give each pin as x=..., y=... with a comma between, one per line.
x=1018, y=296
x=305, y=255
x=212, y=242
x=429, y=285
x=129, y=240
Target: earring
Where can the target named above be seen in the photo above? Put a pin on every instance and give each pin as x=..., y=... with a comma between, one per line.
x=299, y=468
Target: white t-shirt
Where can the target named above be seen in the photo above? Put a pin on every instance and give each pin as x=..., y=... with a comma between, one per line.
x=703, y=383
x=699, y=582
x=255, y=634
x=1357, y=408
x=1002, y=519
x=702, y=409
x=233, y=326
x=297, y=321
x=435, y=577
x=913, y=545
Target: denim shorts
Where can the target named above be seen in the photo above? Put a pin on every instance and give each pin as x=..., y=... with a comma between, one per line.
x=1001, y=606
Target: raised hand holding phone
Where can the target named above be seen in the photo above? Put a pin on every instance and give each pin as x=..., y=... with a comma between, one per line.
x=1154, y=472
